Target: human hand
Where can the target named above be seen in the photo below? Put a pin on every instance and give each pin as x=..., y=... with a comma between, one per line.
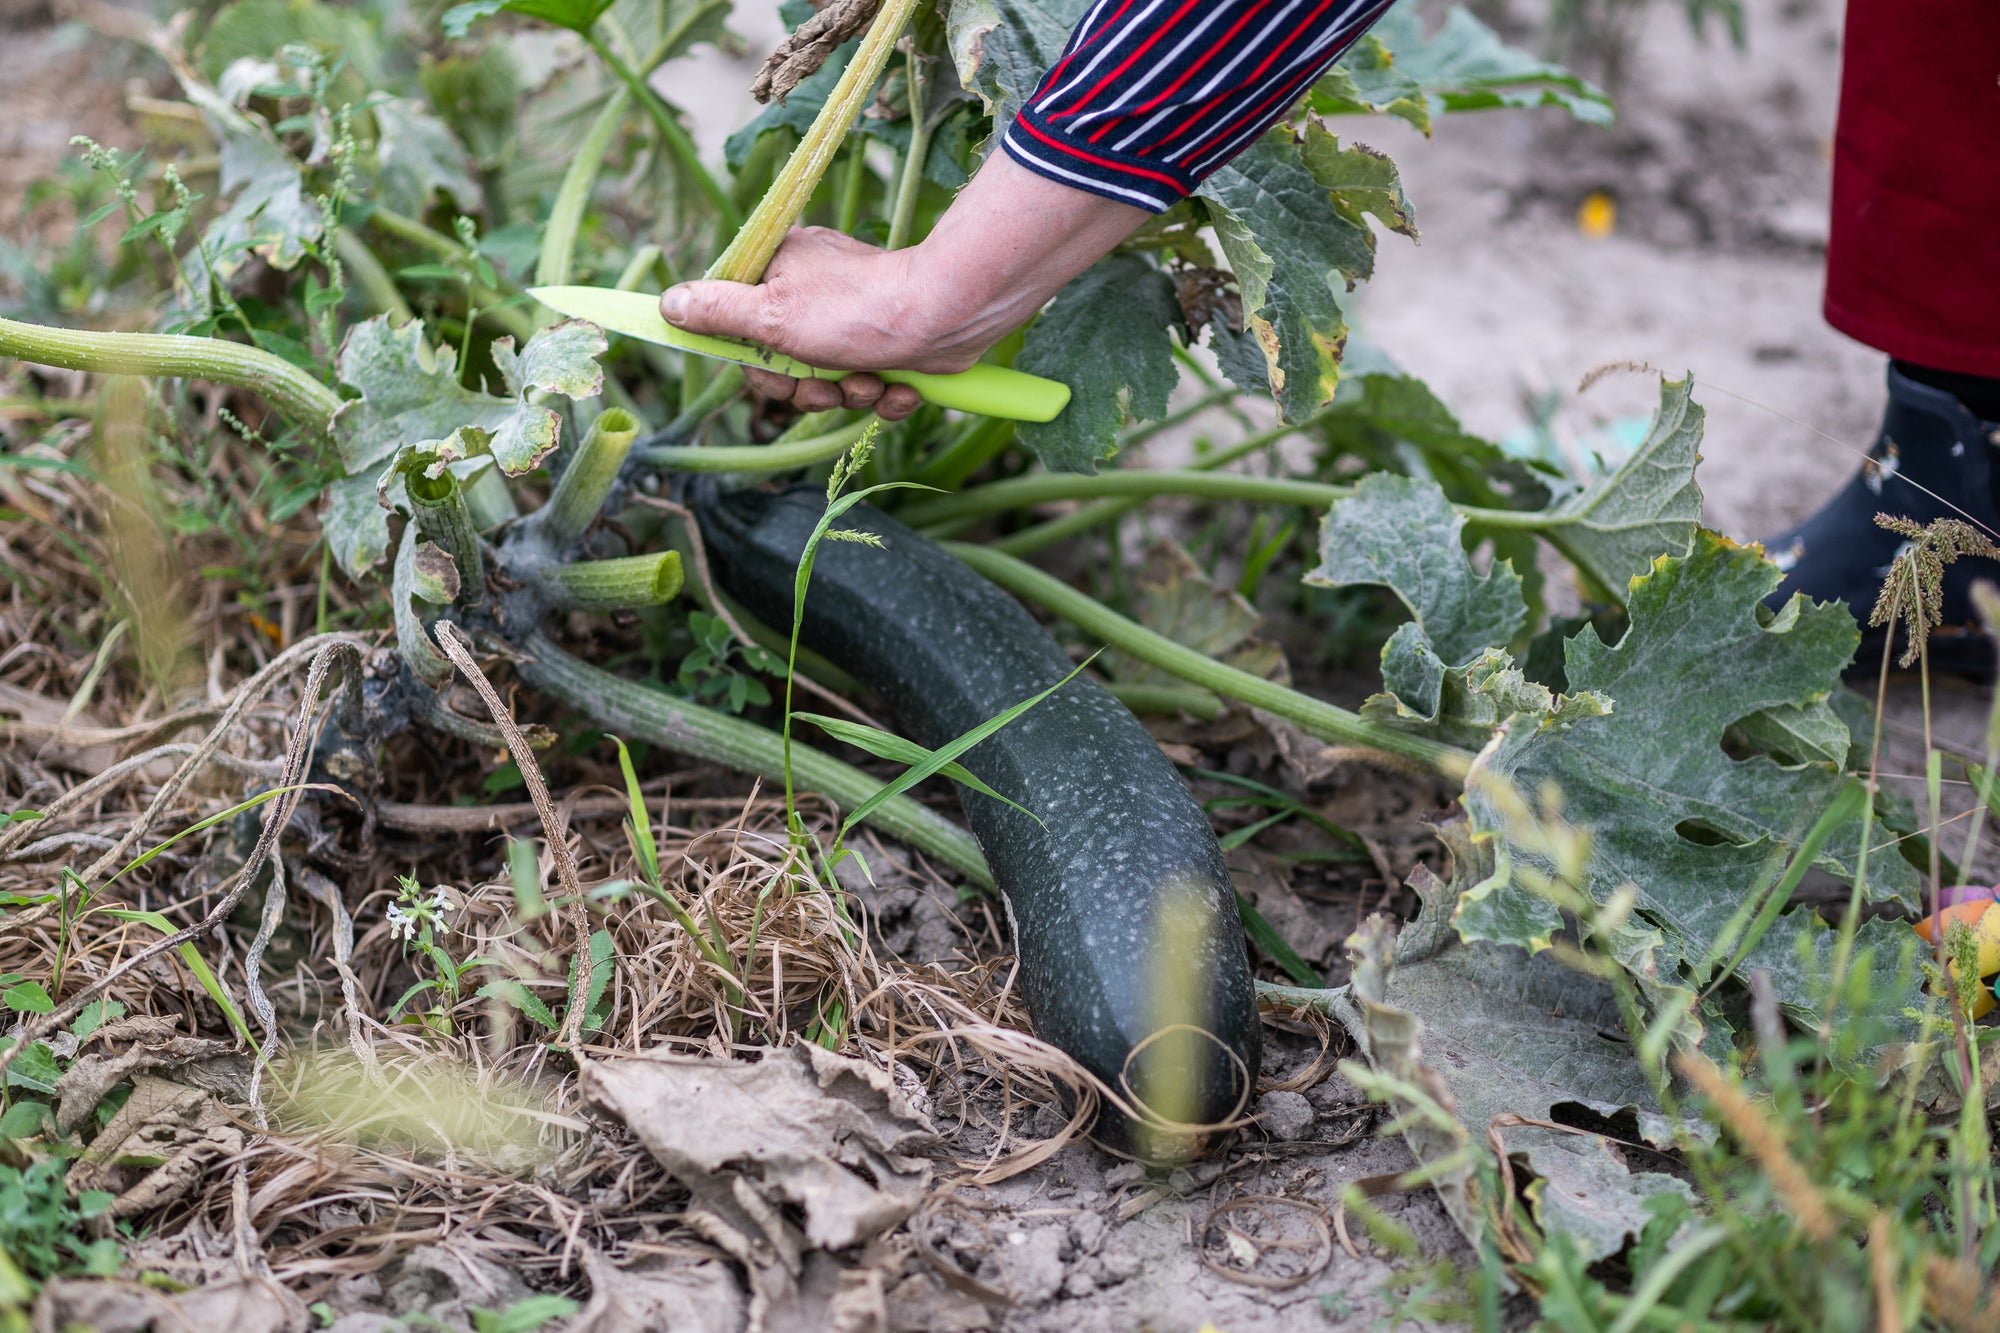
x=1005, y=246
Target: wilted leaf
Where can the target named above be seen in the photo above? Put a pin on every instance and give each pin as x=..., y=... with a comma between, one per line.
x=1108, y=335
x=434, y=575
x=1291, y=251
x=1003, y=47
x=1464, y=66
x=686, y=1293
x=411, y=393
x=1502, y=1033
x=419, y=155
x=1640, y=781
x=1361, y=180
x=1648, y=508
x=356, y=525
x=802, y=1134
x=270, y=214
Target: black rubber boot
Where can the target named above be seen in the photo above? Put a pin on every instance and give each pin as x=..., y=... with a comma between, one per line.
x=1933, y=459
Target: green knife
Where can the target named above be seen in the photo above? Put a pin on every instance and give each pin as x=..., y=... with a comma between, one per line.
x=993, y=391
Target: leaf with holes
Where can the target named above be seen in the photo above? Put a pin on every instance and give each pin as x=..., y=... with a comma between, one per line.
x=1668, y=811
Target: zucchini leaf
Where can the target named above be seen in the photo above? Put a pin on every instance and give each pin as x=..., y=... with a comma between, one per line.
x=1463, y=66
x=1506, y=1037
x=1109, y=336
x=411, y=392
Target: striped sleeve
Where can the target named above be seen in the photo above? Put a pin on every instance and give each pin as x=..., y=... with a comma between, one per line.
x=1150, y=96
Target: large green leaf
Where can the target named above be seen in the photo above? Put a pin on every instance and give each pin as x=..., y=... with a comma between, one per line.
x=1649, y=507
x=411, y=393
x=1490, y=1032
x=1002, y=47
x=419, y=155
x=1463, y=66
x=356, y=524
x=576, y=15
x=1109, y=336
x=1693, y=831
x=1292, y=250
x=271, y=214
x=1401, y=533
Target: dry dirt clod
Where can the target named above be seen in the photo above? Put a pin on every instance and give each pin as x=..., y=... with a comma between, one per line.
x=1285, y=1116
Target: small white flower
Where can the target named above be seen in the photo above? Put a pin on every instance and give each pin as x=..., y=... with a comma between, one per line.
x=402, y=924
x=440, y=901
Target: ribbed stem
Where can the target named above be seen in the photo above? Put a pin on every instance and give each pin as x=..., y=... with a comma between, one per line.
x=749, y=458
x=902, y=218
x=573, y=195
x=624, y=584
x=377, y=288
x=1202, y=705
x=1327, y=721
x=1139, y=483
x=979, y=443
x=291, y=390
x=623, y=706
x=580, y=491
x=760, y=236
x=442, y=516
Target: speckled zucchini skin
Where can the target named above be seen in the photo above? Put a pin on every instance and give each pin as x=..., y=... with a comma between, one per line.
x=1122, y=907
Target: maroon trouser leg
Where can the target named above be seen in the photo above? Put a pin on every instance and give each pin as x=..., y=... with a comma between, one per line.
x=1913, y=263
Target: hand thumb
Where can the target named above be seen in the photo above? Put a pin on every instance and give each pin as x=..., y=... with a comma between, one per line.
x=730, y=309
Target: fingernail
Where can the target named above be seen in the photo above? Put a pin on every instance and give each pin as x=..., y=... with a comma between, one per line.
x=674, y=305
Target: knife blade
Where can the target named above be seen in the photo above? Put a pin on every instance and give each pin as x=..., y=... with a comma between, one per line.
x=994, y=391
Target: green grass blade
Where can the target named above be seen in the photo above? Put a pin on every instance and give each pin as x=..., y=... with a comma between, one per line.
x=953, y=749
x=642, y=825
x=1844, y=807
x=1266, y=937
x=192, y=957
x=213, y=820
x=887, y=745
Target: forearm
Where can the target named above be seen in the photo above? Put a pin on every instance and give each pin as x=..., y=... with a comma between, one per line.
x=1009, y=242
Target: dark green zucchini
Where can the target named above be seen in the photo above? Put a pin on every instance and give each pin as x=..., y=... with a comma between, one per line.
x=1123, y=914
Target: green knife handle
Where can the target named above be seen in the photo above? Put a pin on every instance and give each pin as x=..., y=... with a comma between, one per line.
x=993, y=391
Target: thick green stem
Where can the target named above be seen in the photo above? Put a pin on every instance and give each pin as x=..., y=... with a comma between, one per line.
x=489, y=501
x=293, y=391
x=580, y=491
x=442, y=516
x=491, y=304
x=671, y=132
x=625, y=584
x=377, y=288
x=753, y=458
x=759, y=238
x=979, y=443
x=1141, y=483
x=1327, y=721
x=552, y=267
x=624, y=706
x=853, y=175
x=1202, y=705
x=1029, y=540
x=721, y=387
x=903, y=217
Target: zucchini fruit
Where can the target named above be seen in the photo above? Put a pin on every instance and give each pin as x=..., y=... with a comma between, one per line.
x=1132, y=958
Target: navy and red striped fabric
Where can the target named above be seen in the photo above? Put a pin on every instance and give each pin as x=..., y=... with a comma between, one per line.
x=1150, y=96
